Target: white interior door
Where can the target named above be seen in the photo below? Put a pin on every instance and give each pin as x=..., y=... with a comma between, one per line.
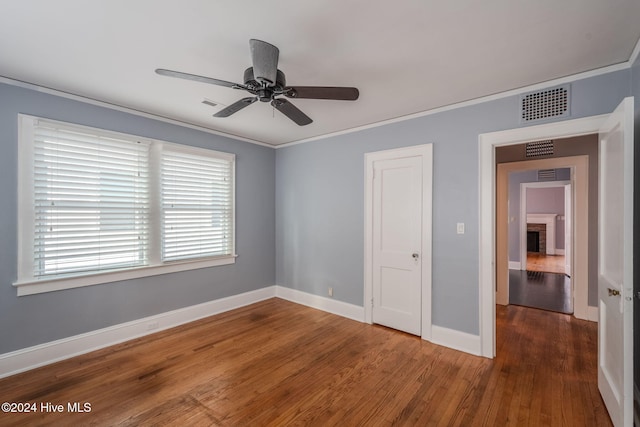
x=568, y=231
x=615, y=265
x=397, y=242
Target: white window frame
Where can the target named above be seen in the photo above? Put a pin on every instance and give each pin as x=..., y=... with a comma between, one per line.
x=27, y=284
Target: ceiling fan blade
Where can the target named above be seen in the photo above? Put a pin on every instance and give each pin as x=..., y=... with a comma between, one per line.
x=264, y=57
x=291, y=111
x=194, y=77
x=236, y=106
x=322, y=92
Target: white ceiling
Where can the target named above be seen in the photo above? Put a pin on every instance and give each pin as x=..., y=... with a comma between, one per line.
x=405, y=56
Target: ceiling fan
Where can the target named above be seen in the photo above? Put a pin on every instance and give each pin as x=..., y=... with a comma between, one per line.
x=265, y=82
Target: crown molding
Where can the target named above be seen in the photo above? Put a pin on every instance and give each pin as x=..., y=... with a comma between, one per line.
x=475, y=101
x=634, y=54
x=559, y=81
x=129, y=110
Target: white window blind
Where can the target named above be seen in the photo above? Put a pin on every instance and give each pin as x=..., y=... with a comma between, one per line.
x=91, y=201
x=96, y=206
x=197, y=205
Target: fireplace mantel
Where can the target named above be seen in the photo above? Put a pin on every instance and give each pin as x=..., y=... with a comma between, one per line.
x=550, y=221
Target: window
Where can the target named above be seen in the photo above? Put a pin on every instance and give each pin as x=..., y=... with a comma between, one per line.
x=96, y=206
x=90, y=196
x=197, y=217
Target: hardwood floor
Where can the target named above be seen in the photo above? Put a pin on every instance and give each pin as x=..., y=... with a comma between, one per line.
x=546, y=263
x=537, y=289
x=278, y=363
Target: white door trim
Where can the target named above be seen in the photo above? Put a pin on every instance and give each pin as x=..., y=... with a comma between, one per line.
x=569, y=229
x=426, y=152
x=487, y=218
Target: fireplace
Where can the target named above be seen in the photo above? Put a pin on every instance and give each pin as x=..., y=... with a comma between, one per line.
x=533, y=241
x=545, y=227
x=537, y=238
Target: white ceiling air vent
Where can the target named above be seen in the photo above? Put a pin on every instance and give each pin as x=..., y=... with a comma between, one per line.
x=210, y=103
x=546, y=175
x=545, y=104
x=539, y=148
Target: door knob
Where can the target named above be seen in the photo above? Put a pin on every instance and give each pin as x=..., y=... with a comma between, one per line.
x=613, y=292
x=415, y=255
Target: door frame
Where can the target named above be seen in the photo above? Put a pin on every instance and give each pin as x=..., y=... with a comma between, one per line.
x=569, y=213
x=487, y=218
x=580, y=177
x=426, y=152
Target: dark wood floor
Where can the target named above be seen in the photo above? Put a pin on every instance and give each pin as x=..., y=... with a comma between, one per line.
x=537, y=289
x=278, y=363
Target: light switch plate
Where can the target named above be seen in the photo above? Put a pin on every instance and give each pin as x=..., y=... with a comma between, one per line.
x=460, y=228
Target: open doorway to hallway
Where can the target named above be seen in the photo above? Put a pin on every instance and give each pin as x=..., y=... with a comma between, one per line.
x=615, y=218
x=572, y=161
x=540, y=235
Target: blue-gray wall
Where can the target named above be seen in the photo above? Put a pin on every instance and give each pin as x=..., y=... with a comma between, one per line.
x=30, y=320
x=313, y=193
x=548, y=200
x=515, y=179
x=320, y=199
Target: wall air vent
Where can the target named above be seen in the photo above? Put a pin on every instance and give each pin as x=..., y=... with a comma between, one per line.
x=545, y=104
x=539, y=148
x=546, y=175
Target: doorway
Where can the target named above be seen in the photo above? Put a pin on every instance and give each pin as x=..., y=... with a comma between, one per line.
x=398, y=194
x=614, y=312
x=579, y=178
x=545, y=227
x=540, y=235
x=488, y=215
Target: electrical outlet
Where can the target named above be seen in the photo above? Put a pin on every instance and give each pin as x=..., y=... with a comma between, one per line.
x=330, y=291
x=152, y=325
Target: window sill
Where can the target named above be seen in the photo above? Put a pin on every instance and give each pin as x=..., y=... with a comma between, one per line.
x=31, y=287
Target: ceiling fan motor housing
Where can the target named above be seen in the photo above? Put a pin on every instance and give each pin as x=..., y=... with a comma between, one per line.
x=265, y=93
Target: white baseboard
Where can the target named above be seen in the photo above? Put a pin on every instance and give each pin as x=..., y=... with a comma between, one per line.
x=559, y=251
x=456, y=340
x=442, y=336
x=515, y=265
x=54, y=351
x=591, y=314
x=350, y=311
